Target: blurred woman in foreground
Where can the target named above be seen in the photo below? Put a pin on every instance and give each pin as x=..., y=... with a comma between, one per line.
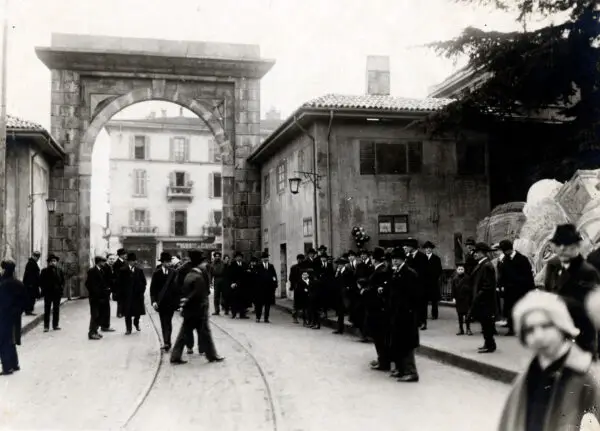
x=12, y=300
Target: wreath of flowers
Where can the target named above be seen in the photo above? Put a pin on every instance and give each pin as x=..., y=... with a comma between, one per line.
x=360, y=236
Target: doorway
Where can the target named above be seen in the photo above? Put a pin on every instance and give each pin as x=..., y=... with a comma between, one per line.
x=283, y=272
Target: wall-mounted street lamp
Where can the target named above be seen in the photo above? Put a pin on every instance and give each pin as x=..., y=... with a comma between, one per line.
x=51, y=205
x=294, y=189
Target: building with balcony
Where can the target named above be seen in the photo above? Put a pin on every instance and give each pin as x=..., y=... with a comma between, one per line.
x=165, y=186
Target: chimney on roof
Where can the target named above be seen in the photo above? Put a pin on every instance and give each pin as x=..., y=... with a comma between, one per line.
x=378, y=75
x=181, y=111
x=164, y=113
x=152, y=114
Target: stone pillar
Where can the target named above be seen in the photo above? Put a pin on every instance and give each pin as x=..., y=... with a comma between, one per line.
x=66, y=128
x=246, y=181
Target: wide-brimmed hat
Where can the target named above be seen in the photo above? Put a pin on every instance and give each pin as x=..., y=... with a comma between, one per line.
x=428, y=244
x=398, y=253
x=165, y=257
x=482, y=246
x=566, y=234
x=52, y=257
x=131, y=257
x=264, y=255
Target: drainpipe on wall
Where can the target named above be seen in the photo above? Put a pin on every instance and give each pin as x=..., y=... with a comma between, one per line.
x=315, y=212
x=31, y=192
x=329, y=197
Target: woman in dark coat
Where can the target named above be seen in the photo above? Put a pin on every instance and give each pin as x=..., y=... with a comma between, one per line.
x=462, y=292
x=12, y=302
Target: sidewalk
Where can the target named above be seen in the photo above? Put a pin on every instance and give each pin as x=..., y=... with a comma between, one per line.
x=68, y=382
x=440, y=342
x=30, y=322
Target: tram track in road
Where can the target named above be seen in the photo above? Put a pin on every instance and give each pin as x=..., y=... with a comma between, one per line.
x=272, y=410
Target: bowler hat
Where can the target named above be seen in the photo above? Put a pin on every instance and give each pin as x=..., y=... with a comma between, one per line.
x=505, y=245
x=398, y=253
x=378, y=254
x=253, y=259
x=412, y=242
x=428, y=244
x=566, y=234
x=121, y=252
x=312, y=250
x=322, y=247
x=165, y=257
x=483, y=247
x=351, y=253
x=52, y=257
x=264, y=255
x=99, y=259
x=131, y=257
x=238, y=253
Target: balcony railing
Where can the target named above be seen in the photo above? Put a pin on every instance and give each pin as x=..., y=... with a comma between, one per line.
x=139, y=230
x=212, y=230
x=180, y=192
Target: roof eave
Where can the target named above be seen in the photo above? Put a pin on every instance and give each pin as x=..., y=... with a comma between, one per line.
x=311, y=113
x=43, y=139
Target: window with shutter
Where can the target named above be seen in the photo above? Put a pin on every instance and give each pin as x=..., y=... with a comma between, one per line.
x=180, y=223
x=211, y=150
x=140, y=182
x=179, y=179
x=415, y=157
x=172, y=230
x=390, y=159
x=172, y=179
x=171, y=149
x=210, y=185
x=217, y=185
x=179, y=149
x=367, y=158
x=301, y=160
x=267, y=187
x=187, y=150
x=139, y=147
x=281, y=176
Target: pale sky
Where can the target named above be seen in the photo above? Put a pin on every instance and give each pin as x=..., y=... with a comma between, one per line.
x=320, y=46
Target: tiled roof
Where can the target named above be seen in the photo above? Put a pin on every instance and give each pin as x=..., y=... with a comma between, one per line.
x=16, y=123
x=385, y=103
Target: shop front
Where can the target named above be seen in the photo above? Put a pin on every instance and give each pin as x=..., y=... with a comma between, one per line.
x=182, y=248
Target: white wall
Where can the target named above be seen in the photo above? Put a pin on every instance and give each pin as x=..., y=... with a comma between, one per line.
x=158, y=169
x=41, y=172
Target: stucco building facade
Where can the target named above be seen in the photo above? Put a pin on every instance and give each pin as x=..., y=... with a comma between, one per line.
x=165, y=186
x=375, y=171
x=30, y=154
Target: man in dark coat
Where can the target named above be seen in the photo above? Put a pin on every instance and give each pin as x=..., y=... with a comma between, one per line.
x=111, y=280
x=52, y=283
x=132, y=286
x=377, y=313
x=418, y=261
x=119, y=263
x=12, y=300
x=572, y=278
x=236, y=277
x=295, y=278
x=31, y=280
x=515, y=279
x=324, y=275
x=469, y=252
x=344, y=278
x=433, y=273
x=403, y=294
x=221, y=289
x=164, y=297
x=364, y=269
x=99, y=293
x=484, y=307
x=195, y=307
x=266, y=284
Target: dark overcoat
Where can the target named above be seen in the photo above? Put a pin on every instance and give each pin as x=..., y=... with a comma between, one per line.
x=164, y=289
x=485, y=304
x=375, y=301
x=12, y=302
x=403, y=299
x=266, y=283
x=418, y=262
x=132, y=286
x=237, y=274
x=573, y=285
x=97, y=285
x=515, y=275
x=295, y=278
x=462, y=292
x=432, y=272
x=31, y=278
x=52, y=282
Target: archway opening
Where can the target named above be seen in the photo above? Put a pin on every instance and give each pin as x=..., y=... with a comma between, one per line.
x=156, y=184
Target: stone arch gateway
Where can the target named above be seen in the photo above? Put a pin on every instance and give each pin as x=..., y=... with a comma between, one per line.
x=95, y=77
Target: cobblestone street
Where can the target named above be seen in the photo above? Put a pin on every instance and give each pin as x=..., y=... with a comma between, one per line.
x=313, y=380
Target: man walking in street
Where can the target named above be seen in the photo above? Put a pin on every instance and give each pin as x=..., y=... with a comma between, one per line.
x=31, y=280
x=164, y=297
x=236, y=277
x=132, y=286
x=99, y=294
x=295, y=278
x=195, y=308
x=515, y=279
x=221, y=289
x=484, y=308
x=403, y=311
x=343, y=283
x=111, y=281
x=433, y=273
x=52, y=283
x=12, y=301
x=266, y=284
x=419, y=262
x=117, y=266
